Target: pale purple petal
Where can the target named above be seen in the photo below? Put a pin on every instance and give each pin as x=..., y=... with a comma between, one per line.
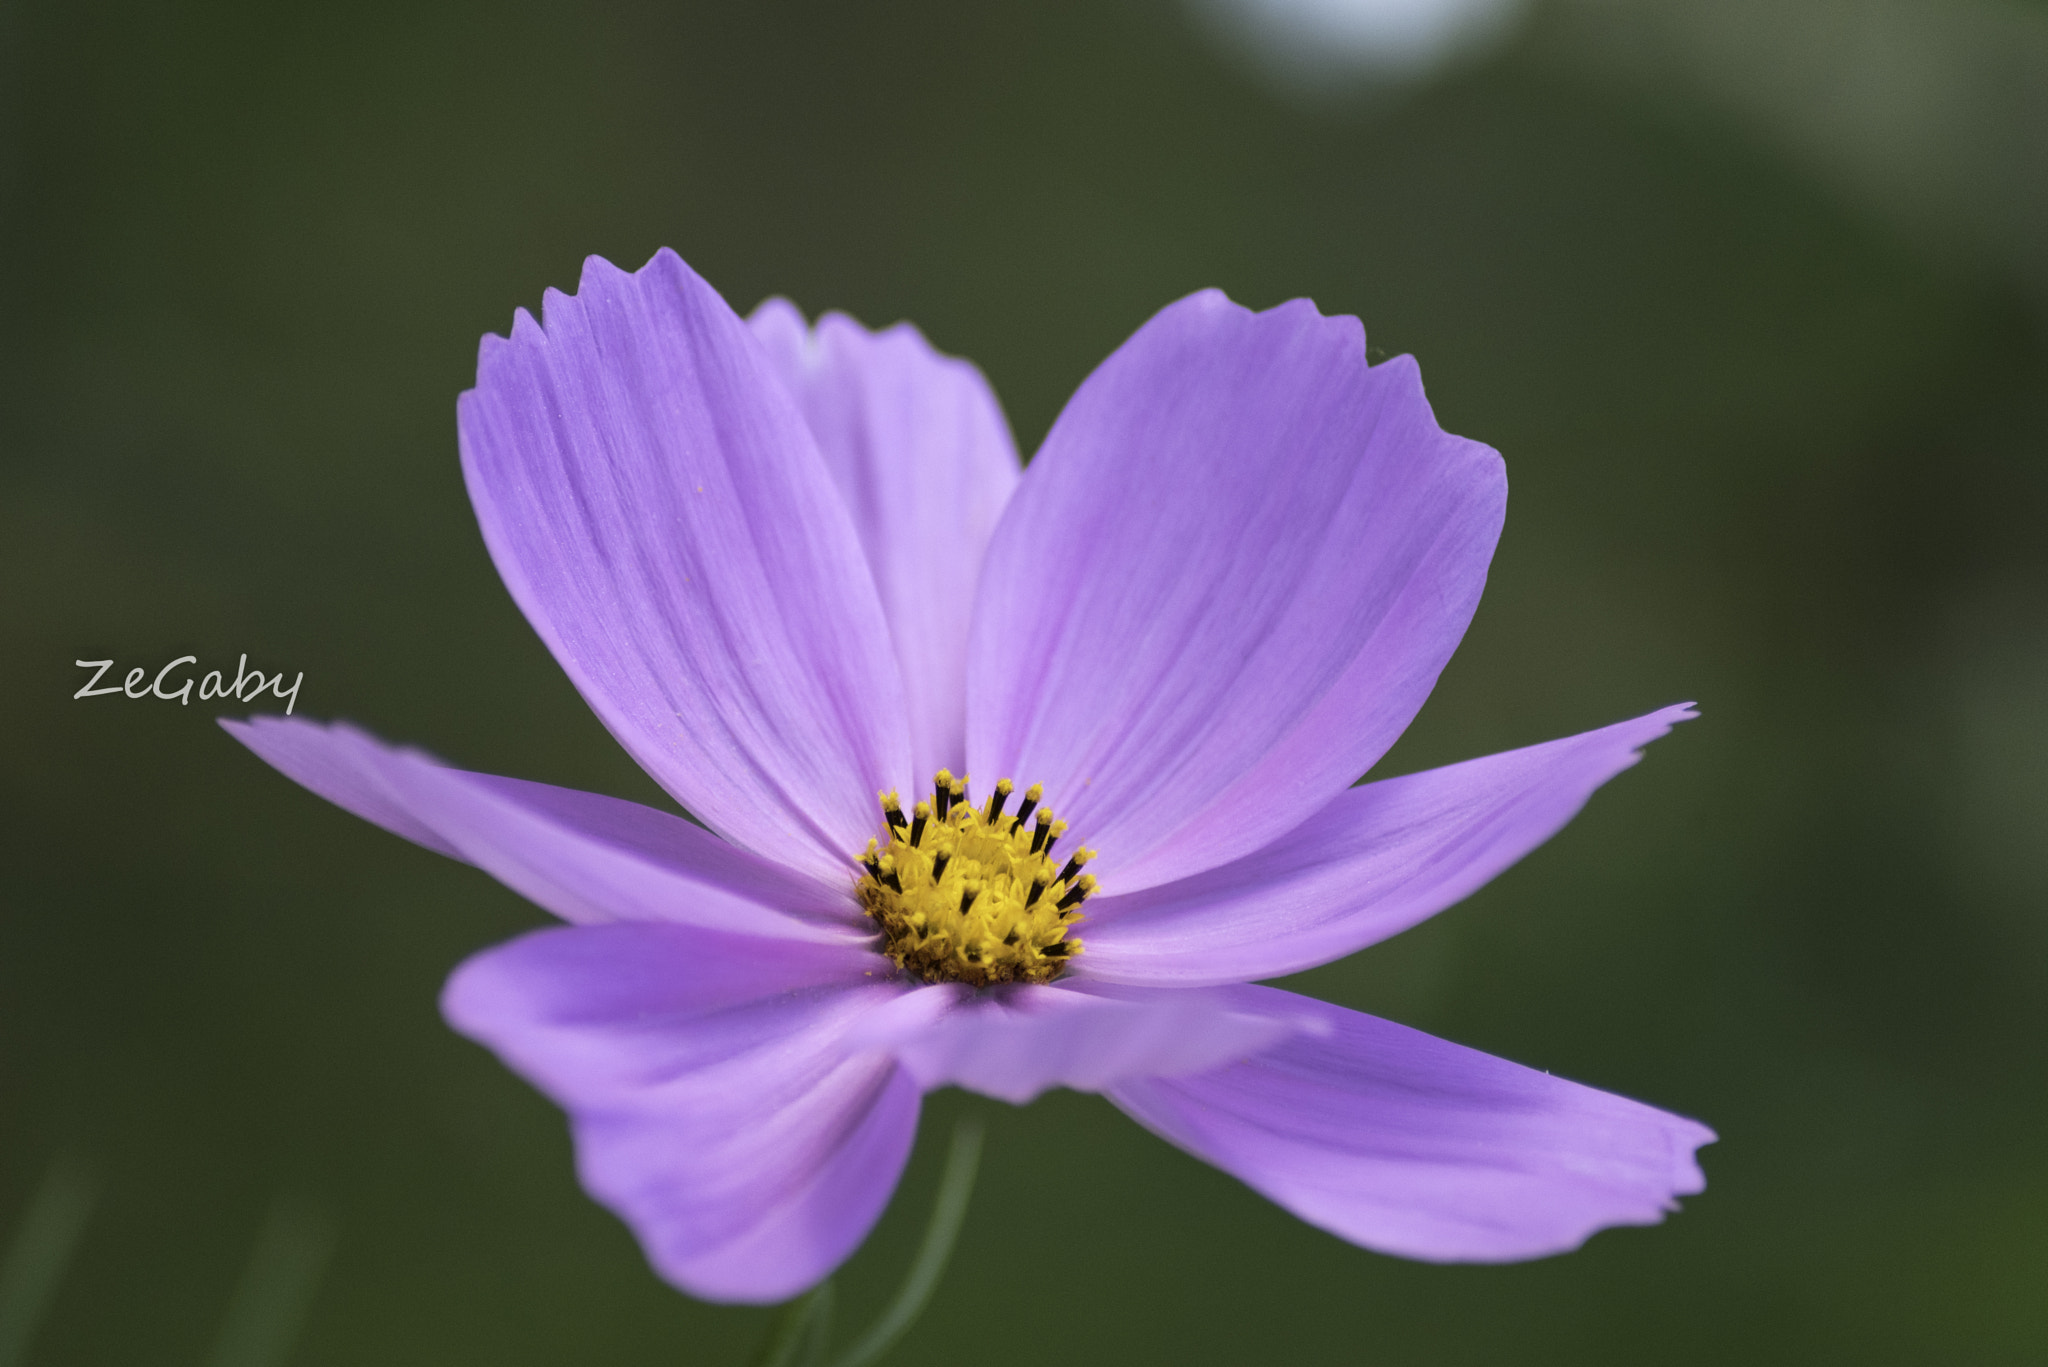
x=584, y=857
x=922, y=455
x=716, y=1103
x=659, y=510
x=341, y=764
x=1014, y=1042
x=1226, y=584
x=1378, y=859
x=1414, y=1146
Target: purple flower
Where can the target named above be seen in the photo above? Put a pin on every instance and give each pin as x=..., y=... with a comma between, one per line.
x=796, y=572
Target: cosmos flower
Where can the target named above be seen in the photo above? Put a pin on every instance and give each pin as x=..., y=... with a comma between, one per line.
x=795, y=571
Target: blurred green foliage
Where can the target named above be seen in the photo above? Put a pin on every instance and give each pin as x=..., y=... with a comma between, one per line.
x=1774, y=423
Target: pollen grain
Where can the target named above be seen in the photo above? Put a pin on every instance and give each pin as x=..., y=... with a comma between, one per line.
x=974, y=895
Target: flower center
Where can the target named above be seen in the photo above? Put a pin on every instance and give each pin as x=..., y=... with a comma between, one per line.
x=974, y=896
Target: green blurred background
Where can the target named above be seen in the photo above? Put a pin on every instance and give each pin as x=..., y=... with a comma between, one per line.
x=1751, y=295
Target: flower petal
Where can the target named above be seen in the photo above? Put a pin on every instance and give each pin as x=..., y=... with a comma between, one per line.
x=1378, y=859
x=1013, y=1043
x=584, y=857
x=922, y=455
x=716, y=1105
x=1410, y=1145
x=1226, y=584
x=660, y=512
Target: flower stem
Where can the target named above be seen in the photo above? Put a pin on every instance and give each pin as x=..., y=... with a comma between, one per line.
x=799, y=1336
x=40, y=1251
x=277, y=1287
x=948, y=1211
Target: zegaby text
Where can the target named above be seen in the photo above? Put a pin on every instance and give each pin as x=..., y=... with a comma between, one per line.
x=173, y=683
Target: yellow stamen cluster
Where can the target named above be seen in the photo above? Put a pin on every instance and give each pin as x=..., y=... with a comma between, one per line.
x=974, y=895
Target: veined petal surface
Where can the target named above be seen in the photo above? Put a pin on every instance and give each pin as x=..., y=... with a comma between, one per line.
x=659, y=510
x=1375, y=861
x=1226, y=584
x=1014, y=1042
x=584, y=857
x=920, y=451
x=715, y=1102
x=1410, y=1145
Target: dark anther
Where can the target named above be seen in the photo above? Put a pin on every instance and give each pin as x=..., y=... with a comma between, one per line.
x=1024, y=808
x=917, y=827
x=973, y=955
x=1037, y=891
x=1038, y=835
x=967, y=899
x=1075, y=895
x=1057, y=951
x=873, y=866
x=893, y=814
x=942, y=800
x=996, y=801
x=1066, y=874
x=892, y=880
x=939, y=863
x=1011, y=938
x=960, y=790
